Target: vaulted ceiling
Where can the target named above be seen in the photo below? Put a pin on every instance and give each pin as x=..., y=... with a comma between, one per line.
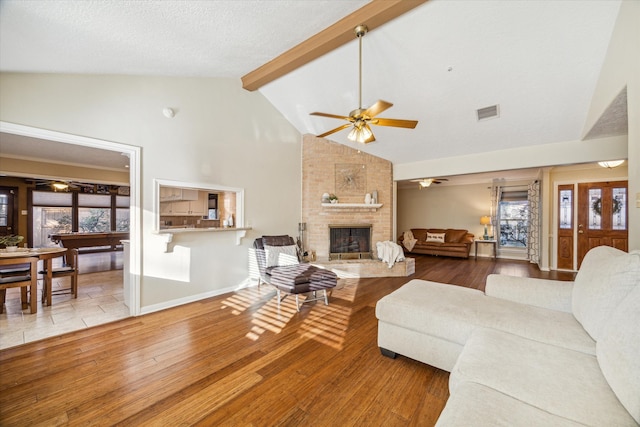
x=437, y=63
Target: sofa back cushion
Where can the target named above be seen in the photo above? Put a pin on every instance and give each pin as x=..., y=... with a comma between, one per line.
x=606, y=276
x=420, y=234
x=455, y=236
x=618, y=352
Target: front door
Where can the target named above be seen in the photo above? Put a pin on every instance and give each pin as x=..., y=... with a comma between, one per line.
x=602, y=216
x=8, y=211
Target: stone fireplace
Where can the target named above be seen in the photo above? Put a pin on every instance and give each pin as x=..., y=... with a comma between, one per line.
x=350, y=241
x=329, y=167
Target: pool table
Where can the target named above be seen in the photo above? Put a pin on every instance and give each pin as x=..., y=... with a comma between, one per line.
x=90, y=240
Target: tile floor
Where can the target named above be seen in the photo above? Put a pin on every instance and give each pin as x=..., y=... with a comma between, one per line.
x=100, y=300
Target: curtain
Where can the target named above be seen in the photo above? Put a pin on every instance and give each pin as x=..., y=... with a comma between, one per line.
x=533, y=229
x=496, y=195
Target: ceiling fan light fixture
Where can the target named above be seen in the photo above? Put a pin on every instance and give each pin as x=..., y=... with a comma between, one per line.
x=425, y=183
x=60, y=186
x=361, y=133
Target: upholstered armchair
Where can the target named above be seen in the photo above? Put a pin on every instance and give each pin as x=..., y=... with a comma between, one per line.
x=274, y=251
x=278, y=261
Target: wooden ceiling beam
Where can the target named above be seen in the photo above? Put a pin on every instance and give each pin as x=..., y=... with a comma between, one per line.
x=373, y=15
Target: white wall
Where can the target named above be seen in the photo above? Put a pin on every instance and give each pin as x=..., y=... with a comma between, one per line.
x=221, y=135
x=453, y=206
x=622, y=68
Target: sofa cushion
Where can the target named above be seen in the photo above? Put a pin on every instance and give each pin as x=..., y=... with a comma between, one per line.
x=455, y=236
x=435, y=237
x=436, y=230
x=420, y=234
x=562, y=382
x=481, y=406
x=605, y=278
x=618, y=352
x=452, y=312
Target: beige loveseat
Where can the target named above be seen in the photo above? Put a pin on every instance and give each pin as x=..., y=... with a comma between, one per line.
x=438, y=241
x=528, y=352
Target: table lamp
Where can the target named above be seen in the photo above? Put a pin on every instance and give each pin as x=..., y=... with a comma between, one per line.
x=485, y=220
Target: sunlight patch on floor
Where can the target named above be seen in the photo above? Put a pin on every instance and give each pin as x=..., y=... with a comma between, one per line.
x=327, y=324
x=271, y=318
x=243, y=299
x=346, y=289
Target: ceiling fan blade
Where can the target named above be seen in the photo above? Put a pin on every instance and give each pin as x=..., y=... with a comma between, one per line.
x=339, y=128
x=333, y=116
x=398, y=123
x=377, y=108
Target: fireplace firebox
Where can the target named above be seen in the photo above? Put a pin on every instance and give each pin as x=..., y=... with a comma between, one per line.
x=351, y=241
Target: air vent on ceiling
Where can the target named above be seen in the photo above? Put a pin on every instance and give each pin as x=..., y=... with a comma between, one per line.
x=488, y=112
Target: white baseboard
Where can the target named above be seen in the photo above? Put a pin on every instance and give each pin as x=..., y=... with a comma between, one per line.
x=186, y=300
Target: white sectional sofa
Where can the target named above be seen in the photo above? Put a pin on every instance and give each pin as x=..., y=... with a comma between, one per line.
x=528, y=352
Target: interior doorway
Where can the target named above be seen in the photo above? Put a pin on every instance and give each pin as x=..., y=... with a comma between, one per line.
x=602, y=216
x=134, y=155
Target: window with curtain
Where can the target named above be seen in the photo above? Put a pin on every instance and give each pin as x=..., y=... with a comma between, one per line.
x=513, y=217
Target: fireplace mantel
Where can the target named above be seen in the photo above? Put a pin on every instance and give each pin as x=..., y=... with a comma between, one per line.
x=353, y=206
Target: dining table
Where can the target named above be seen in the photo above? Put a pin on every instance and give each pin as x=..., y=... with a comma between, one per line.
x=46, y=255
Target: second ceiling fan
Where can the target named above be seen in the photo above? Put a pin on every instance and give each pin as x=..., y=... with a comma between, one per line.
x=361, y=118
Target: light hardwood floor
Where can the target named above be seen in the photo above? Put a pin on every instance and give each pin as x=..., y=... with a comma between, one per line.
x=237, y=360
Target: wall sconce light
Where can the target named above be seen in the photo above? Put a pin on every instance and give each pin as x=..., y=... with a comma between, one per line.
x=611, y=164
x=486, y=221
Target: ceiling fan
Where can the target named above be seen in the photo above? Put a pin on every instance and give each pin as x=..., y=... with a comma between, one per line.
x=59, y=185
x=361, y=118
x=426, y=182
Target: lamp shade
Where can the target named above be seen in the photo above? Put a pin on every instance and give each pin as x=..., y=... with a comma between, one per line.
x=485, y=220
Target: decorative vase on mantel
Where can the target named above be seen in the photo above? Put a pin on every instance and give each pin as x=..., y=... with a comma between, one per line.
x=367, y=199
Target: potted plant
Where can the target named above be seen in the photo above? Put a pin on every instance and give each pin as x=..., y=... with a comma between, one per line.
x=11, y=241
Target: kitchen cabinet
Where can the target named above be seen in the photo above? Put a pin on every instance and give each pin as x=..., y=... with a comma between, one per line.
x=194, y=206
x=169, y=194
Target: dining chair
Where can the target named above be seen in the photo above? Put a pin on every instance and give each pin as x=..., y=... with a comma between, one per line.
x=69, y=268
x=24, y=279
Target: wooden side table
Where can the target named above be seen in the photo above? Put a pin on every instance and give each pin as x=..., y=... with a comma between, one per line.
x=492, y=242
